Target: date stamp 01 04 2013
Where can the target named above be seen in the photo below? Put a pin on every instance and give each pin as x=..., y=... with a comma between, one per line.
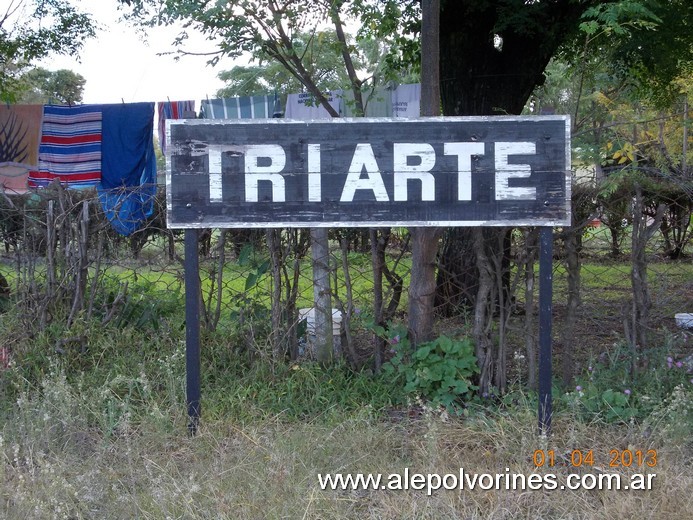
x=586, y=458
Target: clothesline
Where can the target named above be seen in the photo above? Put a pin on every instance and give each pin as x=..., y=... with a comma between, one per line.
x=401, y=101
x=110, y=147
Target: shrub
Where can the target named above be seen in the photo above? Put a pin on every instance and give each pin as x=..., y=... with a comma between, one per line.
x=439, y=371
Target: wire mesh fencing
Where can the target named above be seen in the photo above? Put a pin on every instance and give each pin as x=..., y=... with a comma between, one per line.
x=620, y=275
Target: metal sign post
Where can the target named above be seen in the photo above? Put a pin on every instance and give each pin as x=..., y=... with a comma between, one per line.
x=424, y=172
x=192, y=329
x=545, y=322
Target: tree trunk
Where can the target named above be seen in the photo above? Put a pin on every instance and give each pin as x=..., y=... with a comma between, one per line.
x=641, y=234
x=531, y=250
x=490, y=79
x=425, y=240
x=482, y=310
x=572, y=263
x=274, y=246
x=422, y=287
x=457, y=281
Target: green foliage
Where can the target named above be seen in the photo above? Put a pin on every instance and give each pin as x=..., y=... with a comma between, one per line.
x=321, y=57
x=250, y=323
x=31, y=30
x=249, y=391
x=61, y=87
x=146, y=306
x=249, y=259
x=616, y=18
x=645, y=43
x=396, y=25
x=439, y=371
x=609, y=391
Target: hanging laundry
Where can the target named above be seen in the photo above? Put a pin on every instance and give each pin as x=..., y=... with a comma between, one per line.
x=378, y=103
x=406, y=100
x=245, y=107
x=70, y=148
x=20, y=135
x=128, y=180
x=172, y=110
x=304, y=106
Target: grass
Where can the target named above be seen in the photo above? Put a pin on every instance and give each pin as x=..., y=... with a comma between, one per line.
x=98, y=429
x=102, y=433
x=57, y=466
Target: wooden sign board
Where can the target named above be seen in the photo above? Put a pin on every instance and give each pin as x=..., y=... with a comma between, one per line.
x=447, y=171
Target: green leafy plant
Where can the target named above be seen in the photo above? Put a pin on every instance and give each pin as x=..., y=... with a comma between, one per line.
x=608, y=390
x=439, y=371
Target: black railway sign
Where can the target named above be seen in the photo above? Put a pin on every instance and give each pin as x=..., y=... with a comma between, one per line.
x=446, y=171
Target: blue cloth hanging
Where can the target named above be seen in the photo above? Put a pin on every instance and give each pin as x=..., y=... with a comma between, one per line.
x=128, y=165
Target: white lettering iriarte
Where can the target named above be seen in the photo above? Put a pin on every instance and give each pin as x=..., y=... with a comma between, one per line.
x=403, y=171
x=254, y=173
x=506, y=171
x=411, y=161
x=364, y=158
x=314, y=182
x=464, y=153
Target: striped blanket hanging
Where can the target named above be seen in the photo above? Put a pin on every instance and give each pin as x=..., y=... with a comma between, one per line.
x=70, y=148
x=244, y=107
x=172, y=110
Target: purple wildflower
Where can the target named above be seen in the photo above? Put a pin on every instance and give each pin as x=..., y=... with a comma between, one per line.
x=578, y=388
x=627, y=391
x=679, y=364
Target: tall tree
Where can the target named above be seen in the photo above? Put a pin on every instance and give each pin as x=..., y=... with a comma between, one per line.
x=322, y=59
x=31, y=30
x=60, y=87
x=492, y=56
x=425, y=240
x=272, y=27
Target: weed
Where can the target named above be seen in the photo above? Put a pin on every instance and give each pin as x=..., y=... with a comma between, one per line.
x=439, y=371
x=610, y=390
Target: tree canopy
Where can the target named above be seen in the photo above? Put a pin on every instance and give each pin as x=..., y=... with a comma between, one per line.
x=320, y=52
x=285, y=32
x=60, y=87
x=31, y=30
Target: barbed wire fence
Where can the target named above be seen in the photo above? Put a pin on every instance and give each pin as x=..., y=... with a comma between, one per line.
x=620, y=275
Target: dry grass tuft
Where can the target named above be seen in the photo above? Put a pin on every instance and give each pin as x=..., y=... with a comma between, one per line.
x=269, y=469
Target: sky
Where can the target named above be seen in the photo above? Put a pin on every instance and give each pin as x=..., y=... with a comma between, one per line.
x=120, y=67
